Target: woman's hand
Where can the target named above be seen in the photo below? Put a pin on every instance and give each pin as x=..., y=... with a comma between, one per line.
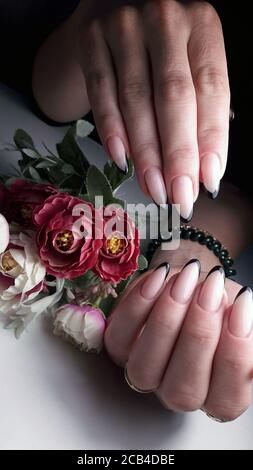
x=157, y=83
x=187, y=339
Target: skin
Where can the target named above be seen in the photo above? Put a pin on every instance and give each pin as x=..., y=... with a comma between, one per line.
x=187, y=355
x=154, y=75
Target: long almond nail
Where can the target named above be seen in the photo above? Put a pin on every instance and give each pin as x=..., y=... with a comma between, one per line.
x=117, y=152
x=211, y=172
x=211, y=293
x=241, y=316
x=155, y=184
x=186, y=282
x=153, y=284
x=182, y=192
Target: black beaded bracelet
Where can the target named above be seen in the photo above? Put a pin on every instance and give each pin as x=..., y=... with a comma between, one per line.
x=203, y=238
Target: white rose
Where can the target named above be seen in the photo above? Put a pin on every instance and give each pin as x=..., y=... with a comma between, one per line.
x=4, y=233
x=21, y=273
x=82, y=326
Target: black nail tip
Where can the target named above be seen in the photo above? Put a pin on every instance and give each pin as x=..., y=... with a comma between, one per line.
x=216, y=268
x=164, y=265
x=244, y=289
x=184, y=220
x=125, y=171
x=213, y=195
x=194, y=260
x=166, y=205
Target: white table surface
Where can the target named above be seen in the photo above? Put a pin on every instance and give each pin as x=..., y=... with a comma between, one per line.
x=54, y=397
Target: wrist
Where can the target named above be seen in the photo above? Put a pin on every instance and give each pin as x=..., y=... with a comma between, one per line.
x=187, y=250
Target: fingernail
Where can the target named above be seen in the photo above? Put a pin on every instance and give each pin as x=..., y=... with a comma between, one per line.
x=155, y=184
x=182, y=192
x=186, y=282
x=241, y=316
x=211, y=293
x=154, y=282
x=211, y=171
x=117, y=152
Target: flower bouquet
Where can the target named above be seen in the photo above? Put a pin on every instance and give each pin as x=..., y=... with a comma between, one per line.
x=67, y=245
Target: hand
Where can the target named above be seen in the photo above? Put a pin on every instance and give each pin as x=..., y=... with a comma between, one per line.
x=157, y=83
x=188, y=341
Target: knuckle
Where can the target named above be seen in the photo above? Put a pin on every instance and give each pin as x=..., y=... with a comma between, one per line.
x=216, y=132
x=162, y=320
x=96, y=80
x=132, y=91
x=235, y=363
x=200, y=336
x=210, y=81
x=182, y=400
x=205, y=12
x=175, y=87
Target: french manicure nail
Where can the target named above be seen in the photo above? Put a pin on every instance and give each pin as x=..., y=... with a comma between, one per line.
x=156, y=186
x=117, y=152
x=182, y=192
x=155, y=281
x=211, y=172
x=211, y=292
x=186, y=282
x=241, y=316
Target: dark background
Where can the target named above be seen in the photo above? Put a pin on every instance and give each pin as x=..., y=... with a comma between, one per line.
x=25, y=24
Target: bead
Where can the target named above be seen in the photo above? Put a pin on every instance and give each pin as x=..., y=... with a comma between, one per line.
x=224, y=254
x=194, y=236
x=202, y=238
x=230, y=272
x=209, y=239
x=227, y=262
x=184, y=234
x=216, y=246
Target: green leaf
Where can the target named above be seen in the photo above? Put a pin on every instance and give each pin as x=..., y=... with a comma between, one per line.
x=45, y=164
x=115, y=177
x=70, y=152
x=98, y=185
x=86, y=280
x=34, y=174
x=30, y=153
x=142, y=263
x=23, y=140
x=68, y=169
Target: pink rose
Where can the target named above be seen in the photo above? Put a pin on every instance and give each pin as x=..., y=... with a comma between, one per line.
x=4, y=199
x=25, y=197
x=64, y=250
x=118, y=257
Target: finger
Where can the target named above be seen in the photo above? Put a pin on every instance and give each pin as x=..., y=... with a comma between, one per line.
x=131, y=313
x=207, y=59
x=186, y=380
x=135, y=96
x=102, y=92
x=150, y=353
x=175, y=102
x=230, y=389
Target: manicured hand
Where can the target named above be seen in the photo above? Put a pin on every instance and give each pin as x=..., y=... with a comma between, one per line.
x=187, y=338
x=158, y=86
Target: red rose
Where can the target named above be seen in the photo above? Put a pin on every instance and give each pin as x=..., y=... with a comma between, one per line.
x=25, y=197
x=63, y=248
x=118, y=257
x=4, y=199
